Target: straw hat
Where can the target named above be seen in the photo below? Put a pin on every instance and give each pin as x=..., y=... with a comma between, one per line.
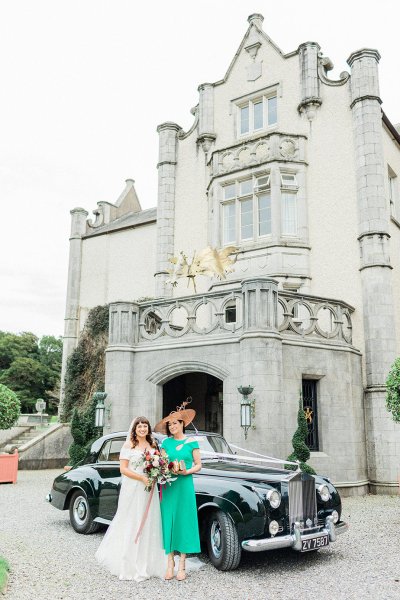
x=180, y=414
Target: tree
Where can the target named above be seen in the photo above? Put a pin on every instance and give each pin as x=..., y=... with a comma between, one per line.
x=29, y=379
x=31, y=367
x=301, y=452
x=9, y=407
x=13, y=346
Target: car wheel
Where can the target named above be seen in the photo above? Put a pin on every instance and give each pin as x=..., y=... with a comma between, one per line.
x=80, y=515
x=223, y=545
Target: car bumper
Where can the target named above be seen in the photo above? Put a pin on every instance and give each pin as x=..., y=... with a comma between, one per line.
x=295, y=539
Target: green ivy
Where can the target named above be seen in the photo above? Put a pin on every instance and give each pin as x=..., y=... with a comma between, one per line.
x=301, y=451
x=10, y=407
x=83, y=431
x=393, y=391
x=85, y=372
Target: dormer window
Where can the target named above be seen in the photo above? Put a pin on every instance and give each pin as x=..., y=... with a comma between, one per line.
x=257, y=115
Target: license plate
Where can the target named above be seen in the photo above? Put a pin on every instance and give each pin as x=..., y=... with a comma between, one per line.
x=314, y=543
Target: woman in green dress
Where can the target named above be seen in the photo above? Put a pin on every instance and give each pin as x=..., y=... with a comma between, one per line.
x=178, y=505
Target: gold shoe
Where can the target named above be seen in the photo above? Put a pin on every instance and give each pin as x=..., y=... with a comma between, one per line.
x=170, y=569
x=181, y=575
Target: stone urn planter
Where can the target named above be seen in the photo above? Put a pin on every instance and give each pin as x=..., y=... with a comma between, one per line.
x=9, y=467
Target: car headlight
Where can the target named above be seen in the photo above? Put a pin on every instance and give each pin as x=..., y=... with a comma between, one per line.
x=274, y=498
x=335, y=516
x=273, y=528
x=324, y=493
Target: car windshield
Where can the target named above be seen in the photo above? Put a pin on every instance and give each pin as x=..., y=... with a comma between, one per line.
x=213, y=443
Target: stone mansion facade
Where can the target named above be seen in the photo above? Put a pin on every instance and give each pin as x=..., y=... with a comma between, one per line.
x=300, y=173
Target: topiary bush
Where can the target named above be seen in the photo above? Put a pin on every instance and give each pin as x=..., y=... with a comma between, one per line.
x=83, y=431
x=85, y=372
x=301, y=451
x=393, y=391
x=10, y=407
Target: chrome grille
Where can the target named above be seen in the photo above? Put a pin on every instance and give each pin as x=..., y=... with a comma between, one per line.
x=302, y=499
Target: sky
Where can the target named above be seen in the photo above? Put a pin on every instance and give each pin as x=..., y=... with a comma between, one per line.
x=85, y=84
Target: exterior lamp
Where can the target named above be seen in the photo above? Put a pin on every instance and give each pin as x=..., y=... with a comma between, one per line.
x=100, y=409
x=246, y=408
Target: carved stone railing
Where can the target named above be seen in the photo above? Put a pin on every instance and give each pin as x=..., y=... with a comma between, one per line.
x=256, y=151
x=313, y=317
x=255, y=305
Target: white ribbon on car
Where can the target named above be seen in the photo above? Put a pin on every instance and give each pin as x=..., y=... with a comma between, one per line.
x=236, y=457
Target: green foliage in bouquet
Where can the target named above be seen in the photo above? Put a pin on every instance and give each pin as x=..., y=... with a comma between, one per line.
x=10, y=407
x=85, y=372
x=301, y=452
x=83, y=432
x=393, y=391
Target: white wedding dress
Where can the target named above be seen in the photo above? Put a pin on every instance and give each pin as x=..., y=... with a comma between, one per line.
x=118, y=551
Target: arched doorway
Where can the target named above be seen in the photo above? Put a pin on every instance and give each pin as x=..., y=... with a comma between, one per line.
x=206, y=393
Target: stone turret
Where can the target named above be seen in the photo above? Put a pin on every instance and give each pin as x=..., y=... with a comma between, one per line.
x=375, y=267
x=71, y=326
x=168, y=148
x=310, y=94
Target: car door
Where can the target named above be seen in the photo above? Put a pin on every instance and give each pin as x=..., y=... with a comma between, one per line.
x=107, y=466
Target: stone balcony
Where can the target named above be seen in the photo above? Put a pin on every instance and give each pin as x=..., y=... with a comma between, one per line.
x=255, y=305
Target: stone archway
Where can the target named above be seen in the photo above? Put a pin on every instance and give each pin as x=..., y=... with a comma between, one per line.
x=207, y=405
x=207, y=398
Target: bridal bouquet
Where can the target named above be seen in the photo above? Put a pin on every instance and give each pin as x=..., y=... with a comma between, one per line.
x=158, y=468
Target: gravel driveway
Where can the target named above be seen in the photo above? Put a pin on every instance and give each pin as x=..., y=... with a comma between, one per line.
x=49, y=560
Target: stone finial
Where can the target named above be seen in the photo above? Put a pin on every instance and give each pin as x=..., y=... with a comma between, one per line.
x=256, y=19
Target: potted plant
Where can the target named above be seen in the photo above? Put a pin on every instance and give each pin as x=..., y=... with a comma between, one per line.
x=9, y=412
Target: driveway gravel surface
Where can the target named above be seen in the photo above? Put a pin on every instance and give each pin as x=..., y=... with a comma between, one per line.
x=50, y=561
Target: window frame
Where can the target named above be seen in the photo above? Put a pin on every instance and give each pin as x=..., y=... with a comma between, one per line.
x=237, y=200
x=313, y=436
x=250, y=103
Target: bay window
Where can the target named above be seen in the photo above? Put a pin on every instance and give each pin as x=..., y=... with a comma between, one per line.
x=247, y=208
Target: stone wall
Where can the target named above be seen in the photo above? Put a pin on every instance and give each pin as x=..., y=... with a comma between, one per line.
x=48, y=451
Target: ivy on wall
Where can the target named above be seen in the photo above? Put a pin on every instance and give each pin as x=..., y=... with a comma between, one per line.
x=393, y=391
x=85, y=372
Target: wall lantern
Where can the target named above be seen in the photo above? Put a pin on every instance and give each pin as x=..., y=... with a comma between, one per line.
x=100, y=409
x=246, y=408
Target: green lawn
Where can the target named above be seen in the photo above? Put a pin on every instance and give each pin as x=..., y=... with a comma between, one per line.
x=4, y=567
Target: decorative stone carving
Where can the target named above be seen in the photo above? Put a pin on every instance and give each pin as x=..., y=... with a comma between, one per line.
x=324, y=65
x=287, y=149
x=272, y=146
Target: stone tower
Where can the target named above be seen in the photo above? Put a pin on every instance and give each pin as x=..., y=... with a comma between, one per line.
x=375, y=267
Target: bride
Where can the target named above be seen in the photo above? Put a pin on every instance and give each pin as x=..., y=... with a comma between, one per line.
x=118, y=551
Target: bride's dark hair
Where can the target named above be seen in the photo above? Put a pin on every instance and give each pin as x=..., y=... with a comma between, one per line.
x=149, y=437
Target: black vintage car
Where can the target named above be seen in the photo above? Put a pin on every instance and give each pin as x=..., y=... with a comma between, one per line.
x=241, y=506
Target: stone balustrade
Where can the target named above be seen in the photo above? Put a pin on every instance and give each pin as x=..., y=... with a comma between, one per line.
x=255, y=305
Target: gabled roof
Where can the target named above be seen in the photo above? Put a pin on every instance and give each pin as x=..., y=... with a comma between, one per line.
x=251, y=36
x=127, y=221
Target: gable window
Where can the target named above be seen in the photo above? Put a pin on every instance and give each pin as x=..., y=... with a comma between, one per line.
x=258, y=114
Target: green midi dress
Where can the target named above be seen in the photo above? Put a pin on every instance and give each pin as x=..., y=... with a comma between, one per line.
x=178, y=505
